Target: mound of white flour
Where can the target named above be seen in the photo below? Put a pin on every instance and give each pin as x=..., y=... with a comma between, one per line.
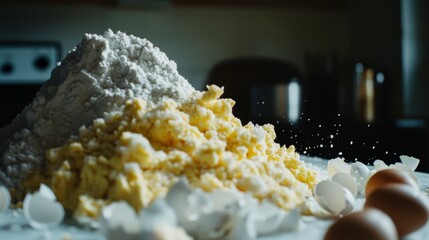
x=95, y=79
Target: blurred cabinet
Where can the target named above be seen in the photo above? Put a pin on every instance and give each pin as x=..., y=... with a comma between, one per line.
x=62, y=2
x=266, y=3
x=180, y=3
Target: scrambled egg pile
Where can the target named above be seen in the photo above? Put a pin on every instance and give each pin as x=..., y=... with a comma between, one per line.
x=138, y=154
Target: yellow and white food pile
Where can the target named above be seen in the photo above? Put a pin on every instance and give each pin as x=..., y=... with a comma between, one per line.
x=118, y=136
x=117, y=124
x=138, y=154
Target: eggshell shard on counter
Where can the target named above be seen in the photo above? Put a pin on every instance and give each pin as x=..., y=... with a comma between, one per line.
x=333, y=197
x=388, y=176
x=41, y=209
x=165, y=232
x=346, y=181
x=360, y=173
x=220, y=199
x=411, y=162
x=269, y=219
x=178, y=199
x=199, y=202
x=379, y=165
x=244, y=228
x=405, y=205
x=47, y=192
x=119, y=221
x=4, y=198
x=370, y=224
x=406, y=169
x=214, y=225
x=337, y=165
x=407, y=165
x=291, y=221
x=158, y=212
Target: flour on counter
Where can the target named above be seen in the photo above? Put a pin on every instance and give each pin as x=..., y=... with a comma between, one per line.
x=95, y=79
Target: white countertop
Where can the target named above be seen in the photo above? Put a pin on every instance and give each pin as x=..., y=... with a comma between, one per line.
x=14, y=227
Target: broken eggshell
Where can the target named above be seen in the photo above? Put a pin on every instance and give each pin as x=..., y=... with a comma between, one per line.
x=359, y=172
x=119, y=221
x=333, y=197
x=214, y=219
x=221, y=199
x=263, y=219
x=222, y=214
x=178, y=198
x=291, y=221
x=411, y=162
x=158, y=212
x=379, y=165
x=41, y=209
x=346, y=181
x=195, y=212
x=217, y=218
x=4, y=198
x=164, y=231
x=212, y=225
x=407, y=170
x=270, y=219
x=337, y=165
x=243, y=226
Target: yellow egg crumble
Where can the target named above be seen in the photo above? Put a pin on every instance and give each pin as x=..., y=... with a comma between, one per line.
x=138, y=154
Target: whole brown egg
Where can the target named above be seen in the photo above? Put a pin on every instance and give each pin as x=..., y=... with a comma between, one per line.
x=405, y=205
x=388, y=176
x=369, y=224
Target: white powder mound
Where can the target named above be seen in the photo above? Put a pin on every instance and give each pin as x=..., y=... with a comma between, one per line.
x=95, y=79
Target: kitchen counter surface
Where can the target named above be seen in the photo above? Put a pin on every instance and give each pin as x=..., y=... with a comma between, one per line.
x=14, y=226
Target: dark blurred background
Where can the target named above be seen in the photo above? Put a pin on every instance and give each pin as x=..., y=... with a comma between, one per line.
x=336, y=77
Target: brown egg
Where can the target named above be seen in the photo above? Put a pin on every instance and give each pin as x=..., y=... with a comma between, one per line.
x=369, y=224
x=405, y=205
x=387, y=176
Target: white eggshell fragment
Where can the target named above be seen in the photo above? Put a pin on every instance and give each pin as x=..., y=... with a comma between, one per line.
x=379, y=165
x=178, y=199
x=312, y=207
x=198, y=202
x=333, y=197
x=291, y=221
x=268, y=218
x=4, y=198
x=41, y=209
x=220, y=199
x=370, y=174
x=411, y=162
x=346, y=181
x=120, y=220
x=165, y=232
x=243, y=227
x=47, y=192
x=359, y=172
x=210, y=225
x=158, y=212
x=337, y=165
x=406, y=169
